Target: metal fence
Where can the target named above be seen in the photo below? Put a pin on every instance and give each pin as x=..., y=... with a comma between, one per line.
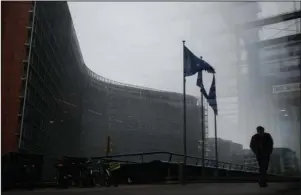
x=177, y=158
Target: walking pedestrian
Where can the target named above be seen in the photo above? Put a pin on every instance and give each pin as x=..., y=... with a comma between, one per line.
x=262, y=146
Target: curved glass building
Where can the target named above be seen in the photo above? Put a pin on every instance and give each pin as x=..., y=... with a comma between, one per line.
x=61, y=107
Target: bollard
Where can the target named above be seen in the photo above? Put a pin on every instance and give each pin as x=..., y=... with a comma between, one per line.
x=168, y=174
x=181, y=173
x=227, y=173
x=216, y=173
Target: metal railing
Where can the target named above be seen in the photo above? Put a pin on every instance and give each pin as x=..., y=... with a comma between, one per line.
x=210, y=163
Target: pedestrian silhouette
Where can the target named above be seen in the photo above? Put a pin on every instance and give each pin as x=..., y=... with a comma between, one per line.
x=262, y=146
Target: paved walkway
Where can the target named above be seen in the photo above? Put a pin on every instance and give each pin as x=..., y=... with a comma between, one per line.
x=190, y=189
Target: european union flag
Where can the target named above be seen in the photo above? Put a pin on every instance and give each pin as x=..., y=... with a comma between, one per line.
x=212, y=96
x=199, y=82
x=193, y=64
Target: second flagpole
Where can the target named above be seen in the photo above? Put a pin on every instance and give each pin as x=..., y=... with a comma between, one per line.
x=203, y=135
x=184, y=118
x=216, y=144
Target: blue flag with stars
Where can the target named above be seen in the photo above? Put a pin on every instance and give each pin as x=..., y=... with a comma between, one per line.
x=212, y=96
x=193, y=64
x=199, y=82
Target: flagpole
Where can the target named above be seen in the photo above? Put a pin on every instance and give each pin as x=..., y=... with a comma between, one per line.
x=203, y=135
x=214, y=107
x=203, y=132
x=216, y=148
x=184, y=117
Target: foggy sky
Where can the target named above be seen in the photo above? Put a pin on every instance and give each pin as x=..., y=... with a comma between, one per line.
x=141, y=44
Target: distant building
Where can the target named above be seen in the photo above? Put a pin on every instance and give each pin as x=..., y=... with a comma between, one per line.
x=284, y=161
x=266, y=65
x=249, y=158
x=273, y=71
x=228, y=151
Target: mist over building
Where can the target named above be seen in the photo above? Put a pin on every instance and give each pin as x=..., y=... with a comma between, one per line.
x=53, y=97
x=261, y=55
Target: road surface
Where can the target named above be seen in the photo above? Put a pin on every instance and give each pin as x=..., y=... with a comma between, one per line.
x=174, y=189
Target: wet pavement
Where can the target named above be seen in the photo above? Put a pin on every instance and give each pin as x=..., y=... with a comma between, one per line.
x=175, y=189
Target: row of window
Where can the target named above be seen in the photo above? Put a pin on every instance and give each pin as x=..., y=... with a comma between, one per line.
x=36, y=138
x=138, y=92
x=41, y=95
x=65, y=52
x=123, y=122
x=131, y=105
x=44, y=64
x=49, y=59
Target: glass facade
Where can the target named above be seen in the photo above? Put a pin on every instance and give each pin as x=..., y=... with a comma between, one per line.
x=70, y=110
x=54, y=73
x=136, y=119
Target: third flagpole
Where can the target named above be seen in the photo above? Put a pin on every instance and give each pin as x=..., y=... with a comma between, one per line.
x=215, y=125
x=203, y=131
x=203, y=134
x=184, y=116
x=212, y=93
x=216, y=146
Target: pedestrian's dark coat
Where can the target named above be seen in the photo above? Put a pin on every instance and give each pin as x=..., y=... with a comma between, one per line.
x=262, y=144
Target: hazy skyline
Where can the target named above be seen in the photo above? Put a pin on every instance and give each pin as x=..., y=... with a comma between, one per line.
x=141, y=44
